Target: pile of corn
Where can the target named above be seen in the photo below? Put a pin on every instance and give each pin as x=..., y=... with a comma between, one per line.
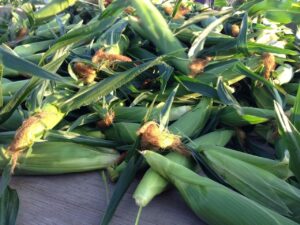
x=202, y=98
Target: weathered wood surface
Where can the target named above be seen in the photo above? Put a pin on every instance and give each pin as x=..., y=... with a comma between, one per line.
x=80, y=199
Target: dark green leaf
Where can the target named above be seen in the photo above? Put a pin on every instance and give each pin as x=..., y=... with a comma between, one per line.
x=296, y=111
x=165, y=112
x=194, y=85
x=82, y=33
x=224, y=95
x=291, y=137
x=242, y=37
x=94, y=92
x=123, y=184
x=14, y=62
x=9, y=206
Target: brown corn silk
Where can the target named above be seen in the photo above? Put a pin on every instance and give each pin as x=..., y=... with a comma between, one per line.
x=32, y=129
x=107, y=121
x=85, y=72
x=102, y=56
x=22, y=33
x=197, y=66
x=152, y=137
x=269, y=64
x=182, y=11
x=235, y=30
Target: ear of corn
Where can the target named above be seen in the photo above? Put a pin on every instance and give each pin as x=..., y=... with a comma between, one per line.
x=35, y=126
x=192, y=122
x=241, y=116
x=124, y=133
x=152, y=184
x=32, y=129
x=218, y=138
x=48, y=158
x=154, y=27
x=53, y=8
x=257, y=183
x=136, y=114
x=212, y=202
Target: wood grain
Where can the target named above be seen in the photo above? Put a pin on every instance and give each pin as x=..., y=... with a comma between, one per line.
x=80, y=199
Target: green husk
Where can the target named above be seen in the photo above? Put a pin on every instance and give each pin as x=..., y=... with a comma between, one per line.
x=192, y=122
x=242, y=116
x=124, y=133
x=153, y=26
x=290, y=137
x=35, y=126
x=53, y=8
x=49, y=158
x=152, y=184
x=136, y=114
x=212, y=202
x=262, y=183
x=9, y=207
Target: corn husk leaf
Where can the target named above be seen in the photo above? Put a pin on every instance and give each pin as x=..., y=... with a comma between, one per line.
x=152, y=184
x=164, y=116
x=21, y=95
x=194, y=85
x=90, y=94
x=191, y=123
x=12, y=61
x=127, y=176
x=296, y=111
x=242, y=116
x=9, y=206
x=65, y=136
x=48, y=158
x=154, y=27
x=212, y=202
x=256, y=183
x=291, y=137
x=198, y=43
x=124, y=133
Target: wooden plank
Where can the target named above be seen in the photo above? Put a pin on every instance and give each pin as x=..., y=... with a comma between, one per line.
x=80, y=199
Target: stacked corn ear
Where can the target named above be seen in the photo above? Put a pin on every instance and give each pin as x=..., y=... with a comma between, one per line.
x=159, y=33
x=153, y=184
x=135, y=52
x=49, y=158
x=262, y=180
x=212, y=202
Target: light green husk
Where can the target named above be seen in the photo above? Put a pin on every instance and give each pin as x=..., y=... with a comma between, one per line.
x=212, y=202
x=48, y=158
x=152, y=184
x=153, y=26
x=257, y=178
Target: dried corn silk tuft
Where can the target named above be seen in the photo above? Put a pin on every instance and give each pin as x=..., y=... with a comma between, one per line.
x=85, y=72
x=197, y=66
x=182, y=11
x=101, y=56
x=269, y=64
x=107, y=120
x=235, y=30
x=152, y=137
